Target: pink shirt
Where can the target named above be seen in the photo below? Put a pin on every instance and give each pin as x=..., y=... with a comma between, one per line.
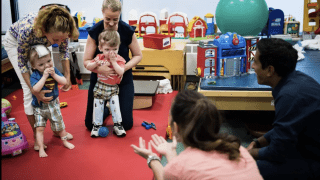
x=116, y=79
x=196, y=164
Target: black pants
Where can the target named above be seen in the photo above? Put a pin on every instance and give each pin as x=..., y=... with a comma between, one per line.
x=126, y=95
x=293, y=169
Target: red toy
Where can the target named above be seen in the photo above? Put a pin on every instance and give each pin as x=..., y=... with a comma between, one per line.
x=206, y=58
x=173, y=25
x=197, y=27
x=157, y=41
x=147, y=24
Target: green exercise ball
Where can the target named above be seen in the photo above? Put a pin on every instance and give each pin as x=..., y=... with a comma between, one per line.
x=245, y=17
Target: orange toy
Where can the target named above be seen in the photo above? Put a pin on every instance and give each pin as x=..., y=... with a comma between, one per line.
x=169, y=131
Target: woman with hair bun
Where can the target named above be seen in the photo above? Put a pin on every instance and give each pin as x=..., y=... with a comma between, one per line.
x=196, y=122
x=51, y=25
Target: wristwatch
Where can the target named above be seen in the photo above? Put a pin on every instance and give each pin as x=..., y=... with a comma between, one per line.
x=257, y=143
x=150, y=158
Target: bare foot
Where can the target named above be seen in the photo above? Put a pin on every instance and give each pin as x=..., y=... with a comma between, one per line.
x=42, y=153
x=68, y=145
x=37, y=147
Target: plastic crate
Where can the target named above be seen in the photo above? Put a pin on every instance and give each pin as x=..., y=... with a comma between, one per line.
x=157, y=41
x=83, y=31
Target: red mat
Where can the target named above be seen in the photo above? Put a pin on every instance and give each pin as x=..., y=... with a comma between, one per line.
x=92, y=158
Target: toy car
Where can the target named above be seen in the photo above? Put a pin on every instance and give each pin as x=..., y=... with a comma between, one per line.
x=63, y=104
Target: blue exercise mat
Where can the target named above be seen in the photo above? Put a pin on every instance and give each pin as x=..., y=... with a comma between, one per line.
x=3, y=53
x=310, y=65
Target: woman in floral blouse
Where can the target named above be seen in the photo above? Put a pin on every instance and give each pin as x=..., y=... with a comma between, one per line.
x=51, y=25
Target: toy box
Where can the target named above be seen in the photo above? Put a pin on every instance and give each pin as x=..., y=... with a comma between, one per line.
x=157, y=41
x=292, y=27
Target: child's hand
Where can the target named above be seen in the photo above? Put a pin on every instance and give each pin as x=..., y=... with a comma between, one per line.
x=51, y=71
x=46, y=72
x=105, y=63
x=113, y=56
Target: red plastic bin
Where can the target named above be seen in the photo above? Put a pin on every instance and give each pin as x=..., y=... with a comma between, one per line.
x=157, y=41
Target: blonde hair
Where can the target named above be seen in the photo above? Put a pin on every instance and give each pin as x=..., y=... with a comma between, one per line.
x=113, y=5
x=34, y=56
x=109, y=37
x=55, y=19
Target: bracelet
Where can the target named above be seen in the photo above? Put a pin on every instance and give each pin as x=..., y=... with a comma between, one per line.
x=257, y=143
x=150, y=158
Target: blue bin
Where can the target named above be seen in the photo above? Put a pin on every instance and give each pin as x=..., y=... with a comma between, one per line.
x=83, y=31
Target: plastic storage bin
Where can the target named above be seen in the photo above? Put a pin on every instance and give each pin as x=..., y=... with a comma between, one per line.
x=83, y=31
x=157, y=41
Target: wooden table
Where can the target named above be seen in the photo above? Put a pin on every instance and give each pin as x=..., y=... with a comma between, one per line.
x=244, y=93
x=5, y=65
x=240, y=100
x=169, y=63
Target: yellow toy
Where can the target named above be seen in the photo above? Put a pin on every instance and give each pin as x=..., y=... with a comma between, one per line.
x=96, y=20
x=311, y=17
x=81, y=19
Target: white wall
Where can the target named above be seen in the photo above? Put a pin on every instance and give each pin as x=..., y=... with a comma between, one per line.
x=201, y=7
x=5, y=15
x=190, y=7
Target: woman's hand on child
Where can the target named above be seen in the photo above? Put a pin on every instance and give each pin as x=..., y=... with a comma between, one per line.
x=142, y=150
x=162, y=146
x=108, y=72
x=41, y=96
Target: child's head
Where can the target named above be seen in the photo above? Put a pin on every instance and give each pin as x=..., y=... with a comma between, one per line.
x=196, y=122
x=109, y=40
x=40, y=58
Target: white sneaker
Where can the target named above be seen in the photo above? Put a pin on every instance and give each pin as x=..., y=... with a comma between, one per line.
x=94, y=131
x=119, y=130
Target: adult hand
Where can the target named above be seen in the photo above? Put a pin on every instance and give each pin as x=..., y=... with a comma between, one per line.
x=142, y=150
x=162, y=146
x=67, y=86
x=251, y=146
x=107, y=71
x=41, y=96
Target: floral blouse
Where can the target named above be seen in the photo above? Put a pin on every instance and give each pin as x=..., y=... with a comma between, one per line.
x=23, y=31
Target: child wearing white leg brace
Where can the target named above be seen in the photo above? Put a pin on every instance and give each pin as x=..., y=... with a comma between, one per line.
x=107, y=88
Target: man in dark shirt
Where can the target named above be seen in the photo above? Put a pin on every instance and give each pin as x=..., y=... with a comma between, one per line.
x=291, y=150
